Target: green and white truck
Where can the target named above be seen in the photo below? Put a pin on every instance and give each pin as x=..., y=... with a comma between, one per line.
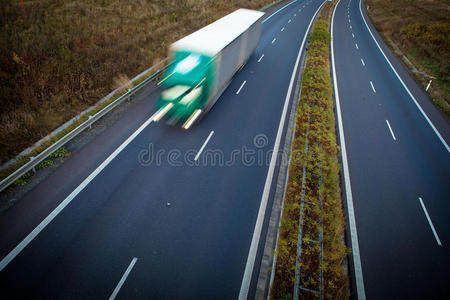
x=204, y=63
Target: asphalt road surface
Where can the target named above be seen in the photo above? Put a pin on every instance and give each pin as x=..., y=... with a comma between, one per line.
x=134, y=214
x=398, y=166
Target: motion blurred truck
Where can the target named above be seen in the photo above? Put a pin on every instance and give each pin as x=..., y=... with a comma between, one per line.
x=203, y=64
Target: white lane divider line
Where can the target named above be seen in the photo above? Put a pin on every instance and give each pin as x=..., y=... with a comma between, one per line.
x=362, y=62
x=249, y=265
x=350, y=27
x=240, y=88
x=356, y=45
x=289, y=21
x=122, y=280
x=5, y=261
x=282, y=29
x=261, y=58
x=390, y=129
x=353, y=35
x=204, y=145
x=278, y=11
x=349, y=20
x=348, y=186
x=405, y=87
x=295, y=15
x=373, y=88
x=273, y=41
x=429, y=222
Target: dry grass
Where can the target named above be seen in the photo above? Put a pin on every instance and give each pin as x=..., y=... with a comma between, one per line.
x=420, y=30
x=60, y=57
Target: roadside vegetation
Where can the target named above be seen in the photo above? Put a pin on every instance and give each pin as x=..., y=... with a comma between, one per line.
x=57, y=58
x=419, y=30
x=314, y=181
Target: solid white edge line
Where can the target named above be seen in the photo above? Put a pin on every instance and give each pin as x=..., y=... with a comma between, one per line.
x=261, y=58
x=122, y=280
x=265, y=20
x=247, y=277
x=373, y=88
x=404, y=85
x=240, y=88
x=429, y=222
x=204, y=145
x=390, y=129
x=7, y=259
x=273, y=41
x=348, y=189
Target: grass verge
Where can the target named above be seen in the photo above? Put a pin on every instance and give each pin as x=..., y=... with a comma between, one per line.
x=419, y=31
x=315, y=151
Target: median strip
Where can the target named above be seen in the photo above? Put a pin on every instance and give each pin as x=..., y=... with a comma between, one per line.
x=311, y=252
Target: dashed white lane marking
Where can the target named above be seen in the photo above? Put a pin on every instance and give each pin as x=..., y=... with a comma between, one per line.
x=390, y=129
x=348, y=187
x=204, y=145
x=265, y=20
x=249, y=265
x=122, y=280
x=429, y=222
x=373, y=88
x=261, y=58
x=353, y=35
x=282, y=29
x=362, y=61
x=242, y=85
x=356, y=45
x=289, y=21
x=273, y=41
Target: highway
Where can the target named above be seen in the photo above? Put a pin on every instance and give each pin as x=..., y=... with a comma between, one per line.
x=398, y=167
x=146, y=210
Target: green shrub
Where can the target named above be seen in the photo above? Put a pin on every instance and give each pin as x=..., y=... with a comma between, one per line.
x=44, y=164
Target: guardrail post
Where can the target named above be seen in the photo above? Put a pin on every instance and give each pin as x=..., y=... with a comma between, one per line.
x=90, y=125
x=129, y=97
x=34, y=168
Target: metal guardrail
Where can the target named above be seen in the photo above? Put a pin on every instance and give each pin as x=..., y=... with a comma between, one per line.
x=270, y=5
x=34, y=161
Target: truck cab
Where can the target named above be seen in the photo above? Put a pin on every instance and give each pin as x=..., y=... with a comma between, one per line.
x=186, y=86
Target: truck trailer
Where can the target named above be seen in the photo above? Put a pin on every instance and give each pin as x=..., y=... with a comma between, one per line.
x=203, y=64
